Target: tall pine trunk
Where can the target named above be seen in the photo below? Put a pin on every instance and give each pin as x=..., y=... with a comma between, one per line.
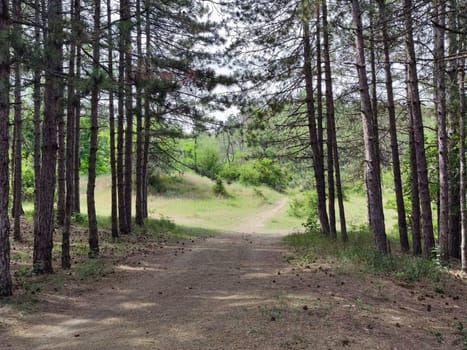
x=139, y=214
x=440, y=100
x=17, y=209
x=453, y=129
x=122, y=216
x=371, y=159
x=329, y=121
x=128, y=111
x=463, y=172
x=93, y=237
x=70, y=139
x=76, y=144
x=315, y=149
x=113, y=170
x=43, y=233
x=396, y=169
x=36, y=96
x=5, y=276
x=419, y=139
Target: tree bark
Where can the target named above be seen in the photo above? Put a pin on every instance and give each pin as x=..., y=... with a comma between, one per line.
x=419, y=139
x=37, y=108
x=17, y=209
x=5, y=276
x=93, y=238
x=440, y=100
x=128, y=112
x=122, y=215
x=373, y=184
x=139, y=215
x=414, y=194
x=453, y=128
x=76, y=151
x=329, y=121
x=113, y=170
x=396, y=170
x=43, y=234
x=315, y=149
x=463, y=175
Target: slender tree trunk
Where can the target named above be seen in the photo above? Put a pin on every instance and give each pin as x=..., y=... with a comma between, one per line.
x=453, y=129
x=440, y=98
x=37, y=109
x=340, y=193
x=463, y=177
x=128, y=112
x=315, y=150
x=113, y=170
x=93, y=144
x=419, y=139
x=70, y=140
x=414, y=194
x=373, y=183
x=139, y=215
x=43, y=235
x=76, y=151
x=121, y=119
x=5, y=276
x=374, y=90
x=461, y=68
x=17, y=209
x=319, y=86
x=61, y=176
x=396, y=170
x=329, y=121
x=147, y=115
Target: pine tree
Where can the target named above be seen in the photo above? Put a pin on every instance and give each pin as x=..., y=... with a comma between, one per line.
x=5, y=277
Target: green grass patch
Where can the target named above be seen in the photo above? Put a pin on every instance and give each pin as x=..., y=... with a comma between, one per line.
x=93, y=269
x=359, y=254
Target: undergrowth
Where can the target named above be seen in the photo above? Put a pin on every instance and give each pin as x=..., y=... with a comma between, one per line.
x=359, y=254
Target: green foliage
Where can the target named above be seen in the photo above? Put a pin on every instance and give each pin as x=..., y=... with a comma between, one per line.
x=164, y=184
x=208, y=161
x=257, y=172
x=302, y=205
x=219, y=188
x=93, y=269
x=103, y=149
x=359, y=253
x=27, y=180
x=230, y=173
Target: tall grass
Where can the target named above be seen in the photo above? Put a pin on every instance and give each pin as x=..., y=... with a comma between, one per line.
x=359, y=254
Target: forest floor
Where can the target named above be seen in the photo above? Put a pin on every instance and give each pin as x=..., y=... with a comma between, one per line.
x=236, y=291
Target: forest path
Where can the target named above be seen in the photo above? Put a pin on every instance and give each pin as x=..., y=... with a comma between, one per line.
x=256, y=222
x=235, y=291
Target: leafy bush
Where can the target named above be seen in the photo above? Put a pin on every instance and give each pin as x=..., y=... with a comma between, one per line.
x=209, y=162
x=162, y=183
x=301, y=206
x=230, y=173
x=219, y=188
x=257, y=172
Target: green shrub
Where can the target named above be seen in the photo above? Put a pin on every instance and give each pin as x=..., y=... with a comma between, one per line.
x=230, y=173
x=162, y=183
x=257, y=172
x=208, y=161
x=219, y=188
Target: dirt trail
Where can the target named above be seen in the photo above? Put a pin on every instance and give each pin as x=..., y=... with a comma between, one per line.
x=234, y=291
x=255, y=223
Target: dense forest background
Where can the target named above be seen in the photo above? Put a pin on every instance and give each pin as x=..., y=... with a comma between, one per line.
x=324, y=97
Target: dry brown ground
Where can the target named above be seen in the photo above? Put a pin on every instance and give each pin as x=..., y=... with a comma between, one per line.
x=236, y=291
